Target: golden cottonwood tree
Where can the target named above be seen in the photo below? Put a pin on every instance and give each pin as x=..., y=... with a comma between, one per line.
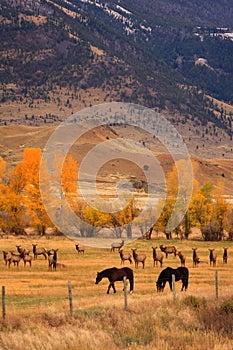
x=32, y=197
x=11, y=205
x=209, y=212
x=69, y=180
x=173, y=216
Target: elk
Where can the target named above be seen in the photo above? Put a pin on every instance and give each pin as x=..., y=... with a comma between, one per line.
x=157, y=257
x=22, y=251
x=212, y=257
x=26, y=257
x=182, y=258
x=117, y=245
x=79, y=249
x=14, y=258
x=53, y=260
x=196, y=259
x=125, y=256
x=38, y=251
x=168, y=250
x=225, y=255
x=138, y=258
x=6, y=257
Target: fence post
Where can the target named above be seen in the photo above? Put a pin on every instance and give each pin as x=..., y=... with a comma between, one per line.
x=174, y=287
x=216, y=283
x=125, y=293
x=3, y=302
x=70, y=298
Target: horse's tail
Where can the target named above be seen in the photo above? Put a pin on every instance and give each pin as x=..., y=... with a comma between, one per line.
x=131, y=281
x=187, y=278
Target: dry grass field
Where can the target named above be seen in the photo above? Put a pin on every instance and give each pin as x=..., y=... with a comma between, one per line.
x=37, y=305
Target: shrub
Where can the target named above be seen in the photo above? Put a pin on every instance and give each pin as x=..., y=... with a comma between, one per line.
x=195, y=302
x=227, y=306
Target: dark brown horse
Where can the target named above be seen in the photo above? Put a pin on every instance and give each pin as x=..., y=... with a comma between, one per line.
x=181, y=273
x=114, y=274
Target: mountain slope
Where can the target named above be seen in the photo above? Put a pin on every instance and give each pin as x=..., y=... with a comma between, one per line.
x=143, y=52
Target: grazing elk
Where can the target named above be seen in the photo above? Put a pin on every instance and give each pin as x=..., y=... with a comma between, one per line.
x=125, y=256
x=168, y=250
x=117, y=245
x=182, y=258
x=138, y=258
x=157, y=257
x=79, y=249
x=212, y=257
x=53, y=260
x=225, y=255
x=38, y=251
x=196, y=259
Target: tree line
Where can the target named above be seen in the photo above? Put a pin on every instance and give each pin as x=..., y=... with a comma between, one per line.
x=21, y=204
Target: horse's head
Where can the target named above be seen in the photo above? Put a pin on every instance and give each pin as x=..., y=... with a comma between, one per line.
x=159, y=286
x=98, y=278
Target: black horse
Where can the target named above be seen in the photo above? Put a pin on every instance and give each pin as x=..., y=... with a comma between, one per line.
x=114, y=274
x=181, y=273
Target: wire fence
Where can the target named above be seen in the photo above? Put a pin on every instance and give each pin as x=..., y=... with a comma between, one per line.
x=23, y=301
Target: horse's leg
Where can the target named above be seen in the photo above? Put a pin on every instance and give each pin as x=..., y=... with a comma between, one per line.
x=184, y=284
x=170, y=283
x=131, y=281
x=113, y=287
x=163, y=285
x=109, y=288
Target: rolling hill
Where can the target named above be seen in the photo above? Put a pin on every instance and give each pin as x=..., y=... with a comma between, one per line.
x=60, y=56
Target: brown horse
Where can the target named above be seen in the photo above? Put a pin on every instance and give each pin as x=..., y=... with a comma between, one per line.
x=114, y=274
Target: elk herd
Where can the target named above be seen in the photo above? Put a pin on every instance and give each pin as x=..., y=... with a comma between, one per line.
x=24, y=254
x=158, y=256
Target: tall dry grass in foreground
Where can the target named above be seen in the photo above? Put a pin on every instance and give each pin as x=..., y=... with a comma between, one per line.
x=38, y=308
x=191, y=323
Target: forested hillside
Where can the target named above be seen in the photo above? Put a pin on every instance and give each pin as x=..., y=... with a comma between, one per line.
x=172, y=56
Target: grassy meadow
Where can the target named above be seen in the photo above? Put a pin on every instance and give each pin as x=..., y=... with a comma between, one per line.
x=37, y=305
